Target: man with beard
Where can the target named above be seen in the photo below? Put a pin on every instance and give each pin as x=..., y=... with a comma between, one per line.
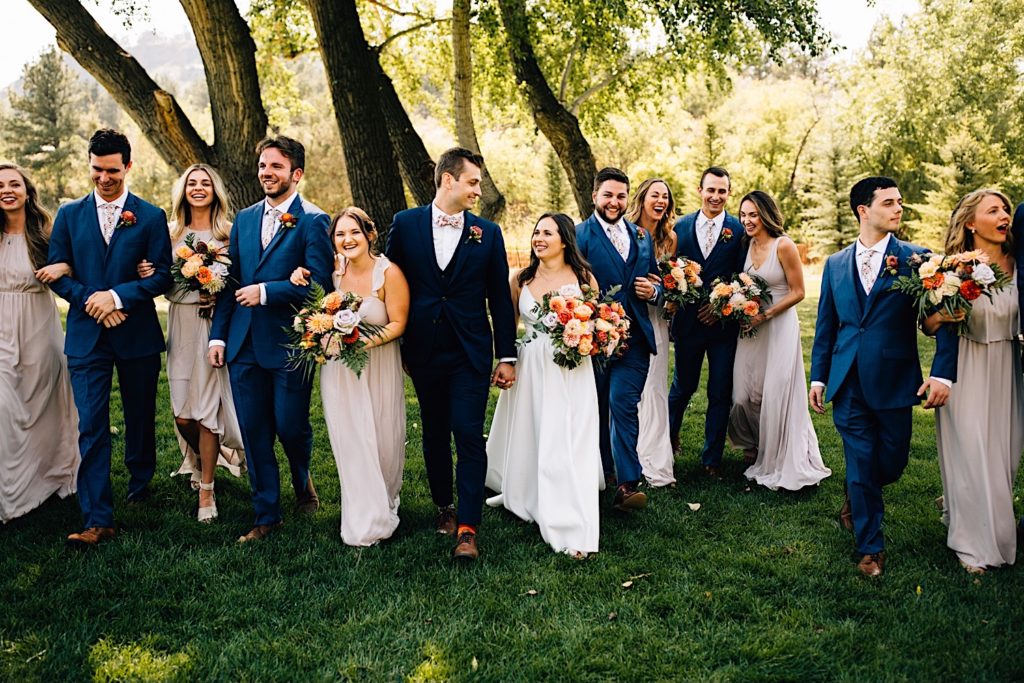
x=620, y=256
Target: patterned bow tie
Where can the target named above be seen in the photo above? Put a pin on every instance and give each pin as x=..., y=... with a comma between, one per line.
x=446, y=221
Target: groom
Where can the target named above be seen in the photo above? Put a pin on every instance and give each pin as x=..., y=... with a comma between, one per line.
x=712, y=238
x=269, y=240
x=111, y=323
x=620, y=255
x=457, y=270
x=865, y=353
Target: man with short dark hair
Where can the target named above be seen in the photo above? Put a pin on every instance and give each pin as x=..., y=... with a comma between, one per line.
x=713, y=238
x=865, y=352
x=111, y=323
x=457, y=270
x=620, y=256
x=269, y=240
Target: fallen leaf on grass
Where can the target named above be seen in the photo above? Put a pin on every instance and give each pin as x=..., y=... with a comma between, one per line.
x=707, y=595
x=612, y=616
x=918, y=590
x=474, y=665
x=530, y=592
x=639, y=576
x=114, y=430
x=627, y=584
x=693, y=506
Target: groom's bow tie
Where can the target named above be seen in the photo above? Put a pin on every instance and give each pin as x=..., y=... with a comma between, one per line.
x=446, y=221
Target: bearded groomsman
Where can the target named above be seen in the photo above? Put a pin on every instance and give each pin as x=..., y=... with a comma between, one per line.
x=269, y=240
x=712, y=238
x=620, y=256
x=457, y=270
x=112, y=323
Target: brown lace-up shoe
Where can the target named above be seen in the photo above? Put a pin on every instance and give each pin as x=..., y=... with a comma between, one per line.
x=90, y=538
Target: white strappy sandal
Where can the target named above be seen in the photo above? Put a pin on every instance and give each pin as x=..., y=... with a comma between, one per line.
x=208, y=514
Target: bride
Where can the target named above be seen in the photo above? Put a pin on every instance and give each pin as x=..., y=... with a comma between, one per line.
x=543, y=453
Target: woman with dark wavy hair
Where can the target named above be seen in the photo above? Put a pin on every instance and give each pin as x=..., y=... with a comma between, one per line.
x=543, y=452
x=38, y=421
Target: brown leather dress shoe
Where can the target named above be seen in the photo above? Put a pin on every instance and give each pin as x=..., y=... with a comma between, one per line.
x=846, y=515
x=872, y=565
x=713, y=471
x=465, y=547
x=628, y=498
x=446, y=523
x=259, y=532
x=307, y=502
x=89, y=538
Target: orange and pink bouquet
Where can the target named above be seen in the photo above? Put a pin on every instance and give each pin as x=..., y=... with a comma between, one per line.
x=580, y=325
x=680, y=280
x=329, y=327
x=739, y=299
x=949, y=283
x=201, y=267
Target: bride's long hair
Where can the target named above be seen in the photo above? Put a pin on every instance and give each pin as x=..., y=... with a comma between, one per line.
x=37, y=219
x=573, y=258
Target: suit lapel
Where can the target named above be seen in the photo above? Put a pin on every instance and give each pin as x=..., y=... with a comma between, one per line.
x=612, y=252
x=634, y=246
x=296, y=211
x=690, y=234
x=883, y=280
x=851, y=278
x=425, y=232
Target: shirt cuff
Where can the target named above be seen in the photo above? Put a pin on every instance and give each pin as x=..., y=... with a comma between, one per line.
x=117, y=300
x=818, y=384
x=942, y=380
x=263, y=294
x=216, y=342
x=510, y=359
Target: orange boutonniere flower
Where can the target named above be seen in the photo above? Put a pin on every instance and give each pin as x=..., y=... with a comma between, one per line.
x=726, y=234
x=288, y=221
x=891, y=264
x=128, y=219
x=476, y=234
x=641, y=235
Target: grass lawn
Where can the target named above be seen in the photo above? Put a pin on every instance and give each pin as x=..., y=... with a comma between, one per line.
x=752, y=586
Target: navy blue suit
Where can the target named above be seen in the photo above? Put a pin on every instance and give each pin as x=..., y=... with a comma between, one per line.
x=133, y=347
x=621, y=382
x=694, y=339
x=448, y=347
x=269, y=398
x=865, y=352
x=1017, y=231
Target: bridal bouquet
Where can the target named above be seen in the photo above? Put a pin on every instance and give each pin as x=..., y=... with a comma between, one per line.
x=740, y=299
x=329, y=327
x=680, y=280
x=201, y=267
x=949, y=282
x=582, y=326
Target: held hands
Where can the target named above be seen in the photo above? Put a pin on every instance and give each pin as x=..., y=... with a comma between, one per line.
x=816, y=398
x=504, y=376
x=52, y=273
x=300, y=277
x=248, y=296
x=145, y=269
x=114, y=319
x=938, y=393
x=100, y=305
x=216, y=356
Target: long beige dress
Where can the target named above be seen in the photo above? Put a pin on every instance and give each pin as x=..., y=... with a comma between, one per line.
x=769, y=409
x=365, y=418
x=38, y=421
x=980, y=434
x=199, y=391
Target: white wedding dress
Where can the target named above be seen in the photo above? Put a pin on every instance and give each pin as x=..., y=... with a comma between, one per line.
x=543, y=452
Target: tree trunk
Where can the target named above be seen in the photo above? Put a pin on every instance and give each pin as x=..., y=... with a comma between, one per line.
x=492, y=202
x=414, y=161
x=558, y=125
x=372, y=168
x=155, y=110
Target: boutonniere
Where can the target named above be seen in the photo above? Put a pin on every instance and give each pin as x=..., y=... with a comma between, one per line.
x=288, y=221
x=726, y=235
x=892, y=264
x=641, y=235
x=128, y=219
x=476, y=234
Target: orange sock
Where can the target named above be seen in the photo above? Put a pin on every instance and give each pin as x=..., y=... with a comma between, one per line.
x=464, y=528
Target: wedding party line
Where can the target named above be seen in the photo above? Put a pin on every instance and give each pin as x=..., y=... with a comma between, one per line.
x=264, y=299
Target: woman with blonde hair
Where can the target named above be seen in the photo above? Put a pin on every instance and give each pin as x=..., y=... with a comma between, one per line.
x=204, y=412
x=980, y=430
x=652, y=209
x=38, y=421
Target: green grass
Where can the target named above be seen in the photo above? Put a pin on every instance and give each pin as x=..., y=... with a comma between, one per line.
x=754, y=586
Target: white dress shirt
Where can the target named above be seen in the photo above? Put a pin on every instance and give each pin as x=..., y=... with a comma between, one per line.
x=101, y=216
x=717, y=223
x=446, y=237
x=877, y=254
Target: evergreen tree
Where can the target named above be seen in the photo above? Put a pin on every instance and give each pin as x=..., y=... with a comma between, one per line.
x=828, y=224
x=43, y=127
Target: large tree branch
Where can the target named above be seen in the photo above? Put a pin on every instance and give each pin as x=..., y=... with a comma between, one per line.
x=624, y=65
x=396, y=11
x=415, y=27
x=563, y=86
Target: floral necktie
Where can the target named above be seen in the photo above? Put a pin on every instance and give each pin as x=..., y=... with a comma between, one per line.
x=269, y=223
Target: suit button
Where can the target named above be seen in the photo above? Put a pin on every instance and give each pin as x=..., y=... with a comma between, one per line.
x=444, y=298
x=862, y=329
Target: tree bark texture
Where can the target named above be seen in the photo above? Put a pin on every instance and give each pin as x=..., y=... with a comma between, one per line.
x=349, y=62
x=492, y=202
x=558, y=124
x=155, y=110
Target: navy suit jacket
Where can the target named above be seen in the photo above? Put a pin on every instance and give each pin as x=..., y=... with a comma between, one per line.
x=880, y=336
x=77, y=241
x=307, y=245
x=724, y=261
x=610, y=270
x=475, y=280
x=1017, y=232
